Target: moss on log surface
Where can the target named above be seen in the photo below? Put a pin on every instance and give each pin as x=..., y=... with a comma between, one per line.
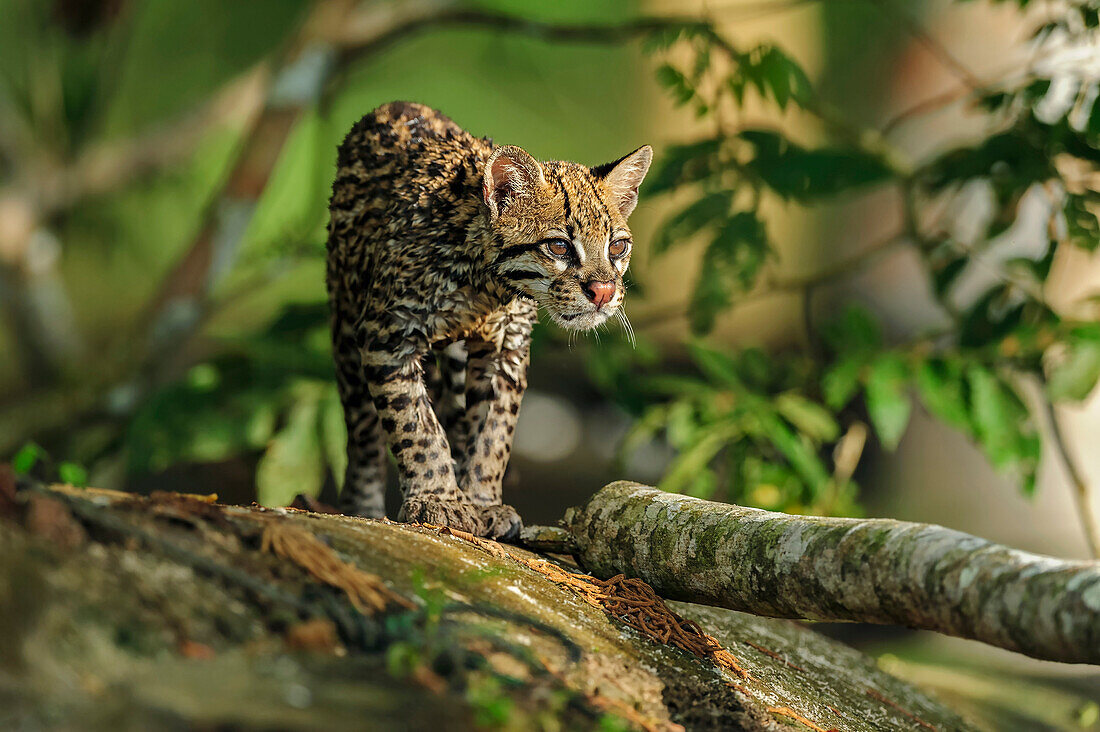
x=870, y=570
x=122, y=612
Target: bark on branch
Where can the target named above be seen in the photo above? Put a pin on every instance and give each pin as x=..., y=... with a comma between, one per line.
x=177, y=611
x=869, y=570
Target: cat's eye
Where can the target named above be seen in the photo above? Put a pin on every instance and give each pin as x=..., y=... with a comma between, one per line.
x=618, y=247
x=558, y=247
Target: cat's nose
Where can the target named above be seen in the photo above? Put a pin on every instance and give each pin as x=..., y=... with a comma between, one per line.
x=600, y=293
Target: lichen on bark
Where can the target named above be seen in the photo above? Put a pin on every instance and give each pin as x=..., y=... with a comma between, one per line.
x=139, y=624
x=870, y=570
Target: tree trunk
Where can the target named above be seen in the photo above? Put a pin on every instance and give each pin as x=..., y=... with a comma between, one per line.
x=170, y=611
x=869, y=570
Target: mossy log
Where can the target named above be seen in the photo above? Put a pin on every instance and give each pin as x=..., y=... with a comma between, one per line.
x=120, y=612
x=869, y=570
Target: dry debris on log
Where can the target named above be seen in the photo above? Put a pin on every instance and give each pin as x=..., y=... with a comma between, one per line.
x=170, y=611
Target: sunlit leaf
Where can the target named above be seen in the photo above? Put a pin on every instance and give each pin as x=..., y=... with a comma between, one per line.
x=73, y=474
x=293, y=462
x=802, y=457
x=27, y=457
x=1075, y=377
x=841, y=382
x=888, y=402
x=682, y=426
x=694, y=458
x=810, y=418
x=1003, y=425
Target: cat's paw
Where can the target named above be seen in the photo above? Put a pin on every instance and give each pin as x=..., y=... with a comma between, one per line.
x=493, y=522
x=500, y=522
x=460, y=515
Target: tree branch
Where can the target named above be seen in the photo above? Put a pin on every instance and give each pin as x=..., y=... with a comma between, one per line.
x=868, y=570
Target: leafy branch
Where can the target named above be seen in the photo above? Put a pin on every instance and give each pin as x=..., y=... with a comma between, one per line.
x=969, y=375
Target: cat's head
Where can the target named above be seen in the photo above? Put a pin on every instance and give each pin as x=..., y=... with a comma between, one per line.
x=561, y=231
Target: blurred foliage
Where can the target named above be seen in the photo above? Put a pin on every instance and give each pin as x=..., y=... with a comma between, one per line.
x=271, y=391
x=778, y=429
x=759, y=428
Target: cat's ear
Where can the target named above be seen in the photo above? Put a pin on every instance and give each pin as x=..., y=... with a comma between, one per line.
x=509, y=173
x=623, y=176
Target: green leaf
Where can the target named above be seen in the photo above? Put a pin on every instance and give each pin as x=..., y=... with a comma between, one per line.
x=768, y=483
x=805, y=174
x=261, y=425
x=757, y=370
x=683, y=426
x=676, y=82
x=946, y=270
x=702, y=63
x=888, y=400
x=293, y=461
x=709, y=209
x=684, y=164
x=810, y=418
x=1014, y=154
x=841, y=382
x=73, y=474
x=730, y=265
x=1075, y=377
x=710, y=296
x=1003, y=425
x=1082, y=226
x=941, y=383
x=855, y=331
x=662, y=38
x=28, y=456
x=720, y=368
x=801, y=456
x=774, y=74
x=992, y=317
x=694, y=459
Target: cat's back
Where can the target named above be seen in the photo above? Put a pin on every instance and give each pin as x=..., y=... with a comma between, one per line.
x=408, y=153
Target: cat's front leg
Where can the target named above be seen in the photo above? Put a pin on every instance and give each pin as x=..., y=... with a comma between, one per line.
x=419, y=445
x=496, y=378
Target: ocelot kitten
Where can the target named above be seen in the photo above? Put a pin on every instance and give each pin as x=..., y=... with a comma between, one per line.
x=442, y=247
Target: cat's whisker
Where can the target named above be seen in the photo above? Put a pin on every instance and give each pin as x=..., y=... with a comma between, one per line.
x=628, y=328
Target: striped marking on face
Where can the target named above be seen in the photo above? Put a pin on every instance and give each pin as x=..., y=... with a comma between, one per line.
x=587, y=212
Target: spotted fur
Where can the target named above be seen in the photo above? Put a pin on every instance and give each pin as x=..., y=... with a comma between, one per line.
x=442, y=248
